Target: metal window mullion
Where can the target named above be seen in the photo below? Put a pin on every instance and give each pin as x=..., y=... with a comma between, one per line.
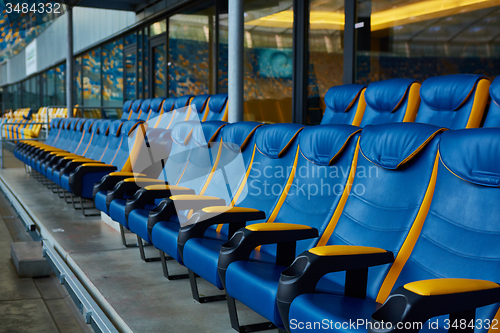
x=300, y=60
x=349, y=75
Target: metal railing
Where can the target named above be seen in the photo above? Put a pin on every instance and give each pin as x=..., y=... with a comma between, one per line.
x=4, y=140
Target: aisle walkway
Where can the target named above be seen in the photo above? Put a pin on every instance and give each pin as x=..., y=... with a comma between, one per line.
x=30, y=305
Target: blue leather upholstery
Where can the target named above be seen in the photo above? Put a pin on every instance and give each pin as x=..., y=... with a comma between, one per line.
x=135, y=109
x=126, y=109
x=216, y=108
x=312, y=200
x=387, y=101
x=174, y=166
x=448, y=100
x=275, y=151
x=234, y=158
x=493, y=116
x=166, y=114
x=154, y=111
x=460, y=235
x=199, y=104
x=195, y=175
x=87, y=136
x=145, y=107
x=342, y=104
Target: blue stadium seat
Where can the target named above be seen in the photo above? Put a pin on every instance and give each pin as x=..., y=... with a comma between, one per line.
x=453, y=101
x=452, y=269
x=393, y=160
x=126, y=109
x=217, y=108
x=345, y=104
x=391, y=101
x=493, y=115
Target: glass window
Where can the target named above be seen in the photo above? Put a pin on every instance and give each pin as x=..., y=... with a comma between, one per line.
x=130, y=74
x=130, y=39
x=417, y=40
x=157, y=28
x=326, y=54
x=112, y=74
x=190, y=51
x=159, y=70
x=78, y=81
x=51, y=87
x=268, y=60
x=92, y=78
x=60, y=84
x=140, y=64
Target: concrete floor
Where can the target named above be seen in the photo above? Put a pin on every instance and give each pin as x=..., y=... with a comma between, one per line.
x=31, y=305
x=133, y=294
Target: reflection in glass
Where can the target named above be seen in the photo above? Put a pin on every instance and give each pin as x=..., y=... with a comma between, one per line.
x=159, y=71
x=416, y=40
x=326, y=61
x=78, y=81
x=267, y=60
x=92, y=78
x=60, y=84
x=157, y=28
x=190, y=40
x=130, y=39
x=112, y=73
x=50, y=96
x=130, y=75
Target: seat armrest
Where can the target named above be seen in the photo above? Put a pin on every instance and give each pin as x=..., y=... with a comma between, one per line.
x=128, y=187
x=245, y=240
x=310, y=266
x=420, y=301
x=196, y=202
x=236, y=217
x=97, y=169
x=109, y=181
x=71, y=165
x=149, y=194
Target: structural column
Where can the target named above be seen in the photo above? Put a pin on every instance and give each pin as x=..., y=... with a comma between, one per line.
x=235, y=60
x=69, y=63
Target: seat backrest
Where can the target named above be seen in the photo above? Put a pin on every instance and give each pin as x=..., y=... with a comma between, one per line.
x=274, y=155
x=53, y=131
x=164, y=121
x=493, y=115
x=132, y=134
x=238, y=141
x=345, y=104
x=63, y=142
x=182, y=110
x=126, y=109
x=145, y=107
x=182, y=143
x=453, y=101
x=100, y=141
x=391, y=101
x=217, y=108
x=390, y=194
x=324, y=172
x=87, y=137
x=76, y=135
x=155, y=109
x=135, y=109
x=461, y=234
x=115, y=139
x=198, y=106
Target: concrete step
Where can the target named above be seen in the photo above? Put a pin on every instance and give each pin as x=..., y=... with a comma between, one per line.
x=28, y=260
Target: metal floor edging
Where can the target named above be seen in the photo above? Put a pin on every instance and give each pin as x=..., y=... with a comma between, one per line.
x=96, y=310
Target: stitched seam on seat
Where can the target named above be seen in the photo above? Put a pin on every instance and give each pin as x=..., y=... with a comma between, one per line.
x=416, y=262
x=382, y=207
x=464, y=227
x=463, y=255
x=371, y=227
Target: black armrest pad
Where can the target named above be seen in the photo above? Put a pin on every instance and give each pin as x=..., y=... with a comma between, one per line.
x=308, y=268
x=408, y=306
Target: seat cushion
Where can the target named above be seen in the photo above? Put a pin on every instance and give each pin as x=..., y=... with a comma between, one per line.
x=138, y=222
x=164, y=237
x=117, y=211
x=100, y=201
x=324, y=312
